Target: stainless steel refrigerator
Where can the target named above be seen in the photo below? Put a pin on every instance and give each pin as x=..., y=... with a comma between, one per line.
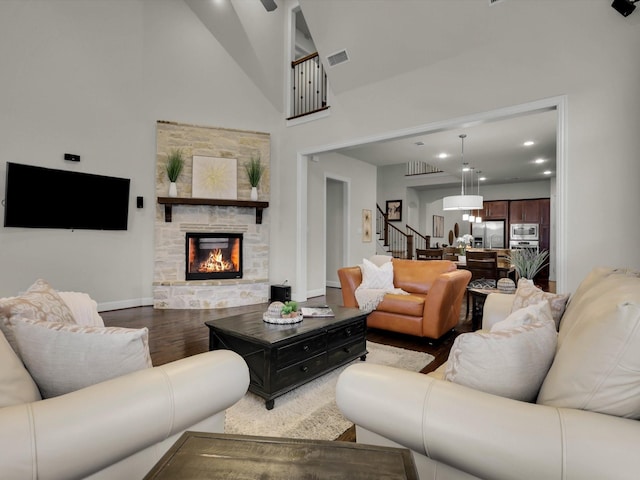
x=490, y=234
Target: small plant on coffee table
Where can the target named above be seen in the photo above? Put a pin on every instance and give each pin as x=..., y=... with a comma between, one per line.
x=290, y=309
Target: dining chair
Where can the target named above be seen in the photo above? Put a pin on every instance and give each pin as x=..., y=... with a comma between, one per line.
x=450, y=253
x=483, y=266
x=429, y=254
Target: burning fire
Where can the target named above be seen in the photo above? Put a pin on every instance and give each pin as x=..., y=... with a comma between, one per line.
x=215, y=263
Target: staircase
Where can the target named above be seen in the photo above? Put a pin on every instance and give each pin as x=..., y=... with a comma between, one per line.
x=393, y=240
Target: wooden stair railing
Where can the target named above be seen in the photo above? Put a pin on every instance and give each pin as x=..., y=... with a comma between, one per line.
x=421, y=242
x=395, y=240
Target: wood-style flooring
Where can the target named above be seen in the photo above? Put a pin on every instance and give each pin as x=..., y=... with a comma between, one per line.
x=175, y=334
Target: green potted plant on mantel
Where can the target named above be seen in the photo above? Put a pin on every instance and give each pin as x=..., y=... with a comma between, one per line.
x=528, y=262
x=175, y=164
x=254, y=169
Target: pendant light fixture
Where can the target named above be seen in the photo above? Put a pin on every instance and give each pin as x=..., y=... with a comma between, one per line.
x=462, y=201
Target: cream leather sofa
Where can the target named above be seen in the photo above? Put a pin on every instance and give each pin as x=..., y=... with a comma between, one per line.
x=456, y=432
x=115, y=429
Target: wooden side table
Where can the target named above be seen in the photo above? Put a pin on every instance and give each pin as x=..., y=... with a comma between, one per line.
x=222, y=456
x=477, y=297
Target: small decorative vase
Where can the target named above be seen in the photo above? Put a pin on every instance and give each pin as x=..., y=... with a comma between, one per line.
x=173, y=189
x=254, y=193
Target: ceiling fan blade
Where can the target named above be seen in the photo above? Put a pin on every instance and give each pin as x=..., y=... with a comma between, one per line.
x=269, y=5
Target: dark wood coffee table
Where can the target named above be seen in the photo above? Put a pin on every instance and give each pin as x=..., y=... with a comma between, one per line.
x=283, y=357
x=199, y=456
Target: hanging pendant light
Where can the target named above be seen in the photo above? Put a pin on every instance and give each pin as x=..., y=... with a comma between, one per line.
x=462, y=201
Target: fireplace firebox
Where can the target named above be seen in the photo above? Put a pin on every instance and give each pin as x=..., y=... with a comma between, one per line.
x=213, y=256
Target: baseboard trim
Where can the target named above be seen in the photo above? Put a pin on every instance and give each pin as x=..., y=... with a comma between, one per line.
x=122, y=304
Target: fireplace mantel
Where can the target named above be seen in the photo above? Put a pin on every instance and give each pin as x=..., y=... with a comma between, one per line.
x=168, y=202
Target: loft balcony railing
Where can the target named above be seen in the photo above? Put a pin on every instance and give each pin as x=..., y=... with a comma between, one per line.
x=309, y=83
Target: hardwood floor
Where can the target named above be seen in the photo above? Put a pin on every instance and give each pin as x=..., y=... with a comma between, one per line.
x=175, y=334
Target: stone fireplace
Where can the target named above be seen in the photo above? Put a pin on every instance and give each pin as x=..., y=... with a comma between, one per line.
x=213, y=256
x=228, y=237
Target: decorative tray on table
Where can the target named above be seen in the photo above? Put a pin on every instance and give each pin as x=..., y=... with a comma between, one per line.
x=281, y=320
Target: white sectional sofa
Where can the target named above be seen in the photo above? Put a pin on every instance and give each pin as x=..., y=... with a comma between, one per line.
x=582, y=425
x=114, y=428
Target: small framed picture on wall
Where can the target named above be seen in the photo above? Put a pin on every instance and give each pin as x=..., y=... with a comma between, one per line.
x=394, y=210
x=438, y=226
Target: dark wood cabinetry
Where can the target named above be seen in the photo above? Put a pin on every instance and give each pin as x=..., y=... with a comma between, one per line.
x=524, y=211
x=495, y=210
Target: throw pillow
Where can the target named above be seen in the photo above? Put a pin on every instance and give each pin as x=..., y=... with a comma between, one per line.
x=63, y=358
x=374, y=277
x=511, y=363
x=597, y=365
x=39, y=302
x=528, y=294
x=16, y=385
x=536, y=313
x=380, y=260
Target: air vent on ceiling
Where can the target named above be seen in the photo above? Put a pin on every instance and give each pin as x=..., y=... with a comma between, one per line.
x=337, y=58
x=491, y=2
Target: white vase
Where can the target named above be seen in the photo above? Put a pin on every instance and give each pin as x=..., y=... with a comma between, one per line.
x=254, y=193
x=173, y=189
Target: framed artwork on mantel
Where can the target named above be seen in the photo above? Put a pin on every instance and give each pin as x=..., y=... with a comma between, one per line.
x=394, y=210
x=214, y=177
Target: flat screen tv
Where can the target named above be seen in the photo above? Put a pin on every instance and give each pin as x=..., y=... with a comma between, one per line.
x=38, y=197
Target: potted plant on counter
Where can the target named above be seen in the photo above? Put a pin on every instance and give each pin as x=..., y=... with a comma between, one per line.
x=254, y=169
x=175, y=164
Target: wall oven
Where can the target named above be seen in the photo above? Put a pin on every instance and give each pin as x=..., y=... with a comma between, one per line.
x=525, y=245
x=524, y=231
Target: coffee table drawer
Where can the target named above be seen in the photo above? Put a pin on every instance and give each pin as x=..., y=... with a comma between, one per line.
x=347, y=351
x=346, y=334
x=301, y=372
x=301, y=350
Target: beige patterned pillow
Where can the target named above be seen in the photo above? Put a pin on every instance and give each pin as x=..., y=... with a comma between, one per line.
x=528, y=294
x=39, y=302
x=63, y=358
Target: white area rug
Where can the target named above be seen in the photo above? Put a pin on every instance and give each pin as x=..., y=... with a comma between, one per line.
x=310, y=411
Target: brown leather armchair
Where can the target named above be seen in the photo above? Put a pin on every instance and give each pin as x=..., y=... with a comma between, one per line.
x=432, y=308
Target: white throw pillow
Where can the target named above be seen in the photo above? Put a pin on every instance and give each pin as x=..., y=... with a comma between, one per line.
x=528, y=294
x=536, y=313
x=63, y=358
x=597, y=367
x=380, y=260
x=510, y=362
x=374, y=277
x=16, y=385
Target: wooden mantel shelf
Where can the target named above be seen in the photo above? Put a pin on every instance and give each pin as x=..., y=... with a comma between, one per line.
x=168, y=202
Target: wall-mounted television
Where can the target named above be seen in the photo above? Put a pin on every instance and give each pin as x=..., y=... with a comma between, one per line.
x=38, y=197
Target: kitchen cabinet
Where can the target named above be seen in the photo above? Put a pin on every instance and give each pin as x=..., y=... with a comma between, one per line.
x=524, y=211
x=495, y=210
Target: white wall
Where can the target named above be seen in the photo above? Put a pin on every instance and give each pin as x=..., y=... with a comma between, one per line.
x=359, y=177
x=598, y=73
x=92, y=78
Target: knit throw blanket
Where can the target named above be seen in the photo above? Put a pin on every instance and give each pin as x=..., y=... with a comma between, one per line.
x=369, y=298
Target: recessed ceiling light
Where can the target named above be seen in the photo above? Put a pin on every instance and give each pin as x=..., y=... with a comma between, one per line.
x=482, y=179
x=547, y=172
x=528, y=143
x=539, y=160
x=443, y=155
